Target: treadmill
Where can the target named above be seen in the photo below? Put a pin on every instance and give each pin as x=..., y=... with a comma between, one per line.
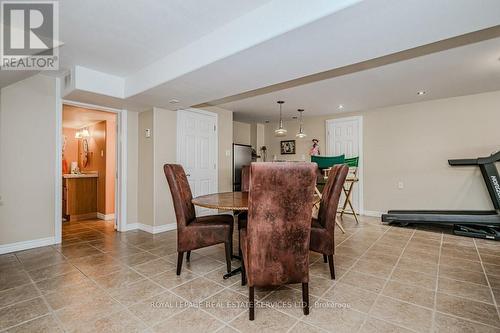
x=472, y=223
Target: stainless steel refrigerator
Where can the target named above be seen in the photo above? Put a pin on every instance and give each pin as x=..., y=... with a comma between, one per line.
x=242, y=155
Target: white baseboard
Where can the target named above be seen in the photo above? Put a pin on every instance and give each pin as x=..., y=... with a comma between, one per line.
x=373, y=213
x=26, y=245
x=151, y=229
x=106, y=217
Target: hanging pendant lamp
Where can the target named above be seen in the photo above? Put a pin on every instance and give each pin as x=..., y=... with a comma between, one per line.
x=300, y=134
x=280, y=131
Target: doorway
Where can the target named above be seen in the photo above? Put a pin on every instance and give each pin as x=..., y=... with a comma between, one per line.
x=115, y=216
x=197, y=151
x=345, y=136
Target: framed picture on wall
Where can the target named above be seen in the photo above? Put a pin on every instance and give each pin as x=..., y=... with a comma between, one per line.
x=287, y=147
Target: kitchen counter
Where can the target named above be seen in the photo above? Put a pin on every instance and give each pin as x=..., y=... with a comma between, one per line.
x=81, y=175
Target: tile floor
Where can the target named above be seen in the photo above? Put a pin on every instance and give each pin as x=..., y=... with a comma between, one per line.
x=389, y=279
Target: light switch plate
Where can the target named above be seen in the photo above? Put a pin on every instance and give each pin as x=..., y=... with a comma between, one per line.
x=148, y=132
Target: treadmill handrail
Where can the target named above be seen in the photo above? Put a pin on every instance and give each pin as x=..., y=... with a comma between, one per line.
x=476, y=161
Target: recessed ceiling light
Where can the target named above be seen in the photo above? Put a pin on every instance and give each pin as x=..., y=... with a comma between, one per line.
x=340, y=107
x=420, y=93
x=174, y=101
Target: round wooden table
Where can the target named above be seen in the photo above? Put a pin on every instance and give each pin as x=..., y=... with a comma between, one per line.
x=235, y=201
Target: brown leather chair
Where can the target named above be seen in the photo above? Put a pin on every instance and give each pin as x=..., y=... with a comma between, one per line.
x=275, y=244
x=195, y=232
x=323, y=228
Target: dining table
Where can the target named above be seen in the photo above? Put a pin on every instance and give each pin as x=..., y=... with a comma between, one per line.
x=237, y=202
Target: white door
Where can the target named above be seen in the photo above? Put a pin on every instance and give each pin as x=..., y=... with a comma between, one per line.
x=197, y=151
x=344, y=136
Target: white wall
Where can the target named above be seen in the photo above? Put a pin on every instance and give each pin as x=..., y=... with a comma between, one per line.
x=241, y=133
x=132, y=166
x=165, y=151
x=145, y=193
x=27, y=160
x=412, y=143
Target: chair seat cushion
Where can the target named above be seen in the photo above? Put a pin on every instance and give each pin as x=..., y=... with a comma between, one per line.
x=213, y=220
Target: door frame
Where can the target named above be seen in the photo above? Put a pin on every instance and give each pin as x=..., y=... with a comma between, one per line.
x=121, y=165
x=179, y=133
x=359, y=120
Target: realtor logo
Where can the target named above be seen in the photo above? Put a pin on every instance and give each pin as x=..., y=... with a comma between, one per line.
x=29, y=35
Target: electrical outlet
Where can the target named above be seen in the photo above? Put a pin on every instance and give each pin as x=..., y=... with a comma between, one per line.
x=401, y=185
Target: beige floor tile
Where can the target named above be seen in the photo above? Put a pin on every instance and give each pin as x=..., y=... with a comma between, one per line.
x=266, y=320
x=203, y=264
x=22, y=311
x=455, y=273
x=492, y=269
x=469, y=265
x=46, y=324
x=18, y=294
x=491, y=259
x=170, y=279
x=77, y=293
x=414, y=278
x=217, y=276
x=78, y=315
x=448, y=324
x=52, y=271
x=372, y=267
x=302, y=327
x=197, y=289
x=191, y=320
x=336, y=319
x=260, y=293
x=468, y=309
x=137, y=292
x=122, y=321
x=417, y=265
x=225, y=305
x=473, y=291
x=345, y=294
x=373, y=325
x=118, y=279
x=363, y=281
x=158, y=308
x=61, y=281
x=317, y=285
x=410, y=293
x=79, y=250
x=402, y=314
x=137, y=259
x=154, y=267
x=13, y=277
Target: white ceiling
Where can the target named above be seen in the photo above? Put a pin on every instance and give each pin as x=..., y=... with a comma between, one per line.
x=360, y=32
x=461, y=71
x=121, y=37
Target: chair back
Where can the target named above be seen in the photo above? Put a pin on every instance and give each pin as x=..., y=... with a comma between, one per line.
x=325, y=162
x=245, y=178
x=181, y=194
x=331, y=196
x=279, y=223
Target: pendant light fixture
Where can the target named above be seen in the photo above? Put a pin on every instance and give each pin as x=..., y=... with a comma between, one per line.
x=300, y=133
x=280, y=131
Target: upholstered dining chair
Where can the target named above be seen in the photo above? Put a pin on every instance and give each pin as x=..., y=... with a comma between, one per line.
x=275, y=243
x=195, y=232
x=323, y=228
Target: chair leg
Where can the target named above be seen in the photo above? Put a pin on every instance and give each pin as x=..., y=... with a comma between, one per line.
x=325, y=259
x=227, y=245
x=180, y=256
x=332, y=266
x=188, y=256
x=243, y=273
x=305, y=298
x=251, y=303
